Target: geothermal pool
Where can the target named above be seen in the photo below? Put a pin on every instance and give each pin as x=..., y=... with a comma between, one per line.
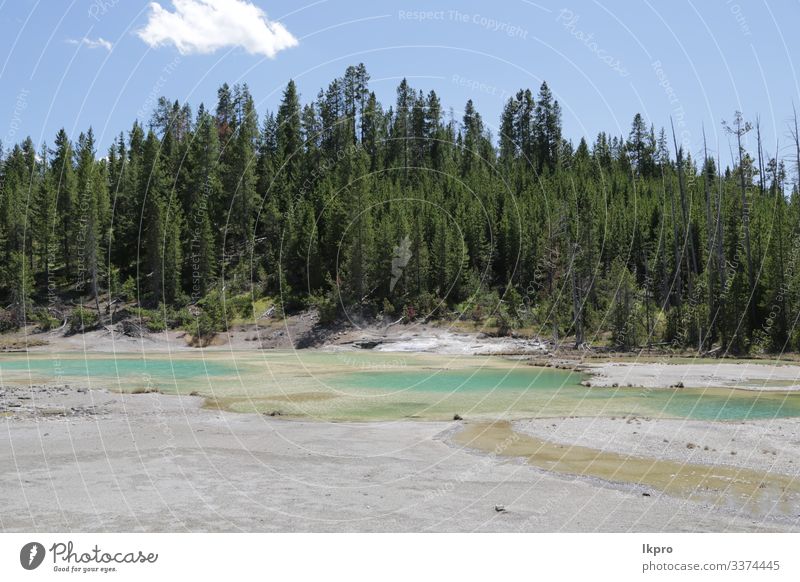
x=384, y=386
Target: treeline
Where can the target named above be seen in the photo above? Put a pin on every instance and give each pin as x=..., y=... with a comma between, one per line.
x=363, y=210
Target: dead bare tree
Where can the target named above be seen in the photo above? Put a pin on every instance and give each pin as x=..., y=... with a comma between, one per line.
x=691, y=260
x=795, y=133
x=710, y=241
x=740, y=128
x=761, y=173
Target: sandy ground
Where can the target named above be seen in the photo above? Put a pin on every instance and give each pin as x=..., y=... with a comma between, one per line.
x=98, y=461
x=742, y=375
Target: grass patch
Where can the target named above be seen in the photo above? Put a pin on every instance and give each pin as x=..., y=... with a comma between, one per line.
x=146, y=390
x=20, y=344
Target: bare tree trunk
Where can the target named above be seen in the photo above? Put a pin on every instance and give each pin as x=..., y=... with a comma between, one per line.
x=576, y=301
x=709, y=242
x=739, y=128
x=677, y=279
x=761, y=174
x=796, y=137
x=647, y=286
x=778, y=195
x=723, y=279
x=684, y=210
x=746, y=226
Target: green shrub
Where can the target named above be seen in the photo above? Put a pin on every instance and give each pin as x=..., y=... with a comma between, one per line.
x=152, y=319
x=179, y=318
x=327, y=306
x=427, y=305
x=205, y=326
x=44, y=320
x=388, y=308
x=240, y=306
x=505, y=321
x=480, y=306
x=81, y=320
x=155, y=320
x=128, y=289
x=7, y=321
x=213, y=317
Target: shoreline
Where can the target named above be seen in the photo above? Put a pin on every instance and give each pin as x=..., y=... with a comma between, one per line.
x=611, y=370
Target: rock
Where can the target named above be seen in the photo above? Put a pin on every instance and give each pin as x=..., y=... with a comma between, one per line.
x=645, y=495
x=457, y=417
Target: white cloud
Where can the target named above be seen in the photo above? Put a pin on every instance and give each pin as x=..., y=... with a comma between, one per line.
x=92, y=43
x=204, y=26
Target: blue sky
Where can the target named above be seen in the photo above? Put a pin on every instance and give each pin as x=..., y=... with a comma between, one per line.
x=76, y=63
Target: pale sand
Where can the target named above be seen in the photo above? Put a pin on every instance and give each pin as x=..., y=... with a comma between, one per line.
x=111, y=462
x=744, y=375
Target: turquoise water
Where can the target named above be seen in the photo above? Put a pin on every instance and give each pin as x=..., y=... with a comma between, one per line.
x=741, y=405
x=122, y=370
x=546, y=392
x=474, y=380
x=325, y=385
